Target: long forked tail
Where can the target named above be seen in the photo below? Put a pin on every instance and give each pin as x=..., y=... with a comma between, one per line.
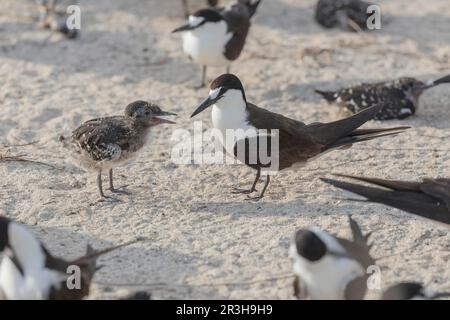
x=330, y=96
x=345, y=132
x=367, y=135
x=397, y=194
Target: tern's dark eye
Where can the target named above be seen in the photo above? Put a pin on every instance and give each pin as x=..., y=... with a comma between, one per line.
x=147, y=113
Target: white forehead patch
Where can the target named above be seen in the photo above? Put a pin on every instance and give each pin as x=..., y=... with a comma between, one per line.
x=214, y=93
x=195, y=21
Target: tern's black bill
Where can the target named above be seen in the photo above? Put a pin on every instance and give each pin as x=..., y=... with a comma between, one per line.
x=205, y=104
x=186, y=27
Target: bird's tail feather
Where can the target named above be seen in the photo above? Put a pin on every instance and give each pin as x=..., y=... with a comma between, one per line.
x=389, y=184
x=344, y=132
x=366, y=135
x=327, y=95
x=329, y=133
x=358, y=236
x=415, y=203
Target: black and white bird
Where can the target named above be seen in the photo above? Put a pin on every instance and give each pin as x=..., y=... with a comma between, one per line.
x=184, y=3
x=29, y=272
x=298, y=143
x=399, y=98
x=330, y=268
x=54, y=19
x=350, y=15
x=428, y=199
x=411, y=291
x=103, y=143
x=216, y=37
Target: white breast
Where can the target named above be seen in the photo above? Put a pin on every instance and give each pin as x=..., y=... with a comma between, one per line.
x=206, y=44
x=26, y=247
x=36, y=281
x=327, y=278
x=229, y=116
x=33, y=285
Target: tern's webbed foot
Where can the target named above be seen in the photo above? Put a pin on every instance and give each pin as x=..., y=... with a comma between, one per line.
x=243, y=191
x=108, y=198
x=256, y=199
x=120, y=190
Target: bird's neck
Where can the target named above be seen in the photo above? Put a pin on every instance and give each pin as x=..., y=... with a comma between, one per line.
x=230, y=112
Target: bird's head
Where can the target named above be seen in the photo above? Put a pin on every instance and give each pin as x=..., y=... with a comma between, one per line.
x=309, y=245
x=147, y=113
x=412, y=87
x=225, y=92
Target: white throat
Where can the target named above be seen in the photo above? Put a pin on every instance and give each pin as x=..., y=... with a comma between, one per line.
x=230, y=112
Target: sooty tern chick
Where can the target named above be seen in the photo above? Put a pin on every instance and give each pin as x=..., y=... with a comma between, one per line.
x=29, y=272
x=215, y=38
x=103, y=143
x=298, y=143
x=399, y=98
x=328, y=267
x=428, y=199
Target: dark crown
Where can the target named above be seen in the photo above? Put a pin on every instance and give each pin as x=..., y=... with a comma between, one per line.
x=227, y=81
x=136, y=107
x=309, y=245
x=209, y=15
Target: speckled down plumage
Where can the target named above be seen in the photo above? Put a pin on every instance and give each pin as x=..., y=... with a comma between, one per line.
x=399, y=98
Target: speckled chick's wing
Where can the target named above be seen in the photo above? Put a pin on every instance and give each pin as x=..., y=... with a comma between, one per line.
x=104, y=138
x=392, y=96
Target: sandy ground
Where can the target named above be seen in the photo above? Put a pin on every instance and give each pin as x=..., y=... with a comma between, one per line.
x=204, y=242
